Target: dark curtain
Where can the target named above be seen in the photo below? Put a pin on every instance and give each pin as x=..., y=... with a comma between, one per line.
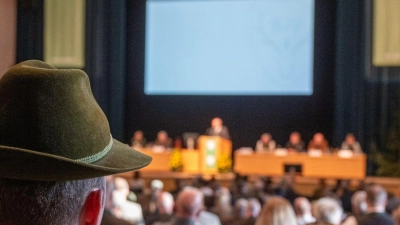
x=105, y=51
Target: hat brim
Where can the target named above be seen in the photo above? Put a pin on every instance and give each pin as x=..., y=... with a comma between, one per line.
x=24, y=164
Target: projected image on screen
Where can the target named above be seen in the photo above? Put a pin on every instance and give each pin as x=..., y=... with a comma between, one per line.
x=229, y=47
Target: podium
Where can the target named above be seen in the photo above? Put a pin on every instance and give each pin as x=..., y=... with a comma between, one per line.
x=210, y=148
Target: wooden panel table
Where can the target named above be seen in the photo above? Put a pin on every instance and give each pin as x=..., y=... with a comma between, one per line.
x=160, y=161
x=326, y=166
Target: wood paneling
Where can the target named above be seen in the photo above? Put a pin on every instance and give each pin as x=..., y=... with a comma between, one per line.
x=8, y=27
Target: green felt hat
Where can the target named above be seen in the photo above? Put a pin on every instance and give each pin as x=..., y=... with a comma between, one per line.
x=52, y=129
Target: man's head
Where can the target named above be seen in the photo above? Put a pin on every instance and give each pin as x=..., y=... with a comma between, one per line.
x=52, y=202
x=122, y=186
x=241, y=206
x=253, y=208
x=350, y=139
x=156, y=186
x=138, y=135
x=318, y=138
x=162, y=136
x=266, y=137
x=165, y=203
x=376, y=197
x=190, y=203
x=216, y=122
x=55, y=147
x=295, y=137
x=328, y=210
x=359, y=202
x=302, y=206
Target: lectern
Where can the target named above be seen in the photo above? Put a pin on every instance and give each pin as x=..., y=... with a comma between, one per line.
x=211, y=147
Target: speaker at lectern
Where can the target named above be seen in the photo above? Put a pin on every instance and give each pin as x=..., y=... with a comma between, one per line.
x=211, y=147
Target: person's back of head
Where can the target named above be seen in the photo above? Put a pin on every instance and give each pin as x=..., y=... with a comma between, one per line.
x=359, y=202
x=253, y=208
x=45, y=202
x=55, y=148
x=190, y=203
x=240, y=208
x=165, y=203
x=396, y=215
x=277, y=211
x=302, y=206
x=122, y=185
x=327, y=210
x=376, y=197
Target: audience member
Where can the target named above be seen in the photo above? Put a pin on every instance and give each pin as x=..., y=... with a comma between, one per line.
x=130, y=211
x=396, y=216
x=359, y=203
x=109, y=217
x=252, y=211
x=223, y=208
x=138, y=140
x=165, y=208
x=277, y=211
x=295, y=144
x=265, y=144
x=350, y=143
x=376, y=203
x=163, y=140
x=137, y=184
x=327, y=211
x=218, y=129
x=358, y=207
x=318, y=143
x=189, y=205
x=302, y=208
x=343, y=192
x=148, y=201
x=56, y=148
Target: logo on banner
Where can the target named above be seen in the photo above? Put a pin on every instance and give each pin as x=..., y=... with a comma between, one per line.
x=211, y=158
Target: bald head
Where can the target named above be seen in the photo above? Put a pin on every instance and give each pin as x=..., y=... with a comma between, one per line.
x=358, y=202
x=165, y=203
x=189, y=203
x=216, y=122
x=302, y=206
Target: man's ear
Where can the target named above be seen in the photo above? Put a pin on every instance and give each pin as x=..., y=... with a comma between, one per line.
x=92, y=211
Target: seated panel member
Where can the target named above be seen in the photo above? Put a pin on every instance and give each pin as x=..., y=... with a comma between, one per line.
x=295, y=144
x=319, y=142
x=265, y=144
x=138, y=140
x=350, y=143
x=218, y=129
x=163, y=139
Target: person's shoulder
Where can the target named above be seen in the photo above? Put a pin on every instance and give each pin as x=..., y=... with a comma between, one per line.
x=375, y=218
x=209, y=218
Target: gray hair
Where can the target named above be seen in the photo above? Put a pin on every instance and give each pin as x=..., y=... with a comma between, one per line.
x=376, y=195
x=358, y=202
x=190, y=201
x=44, y=202
x=327, y=210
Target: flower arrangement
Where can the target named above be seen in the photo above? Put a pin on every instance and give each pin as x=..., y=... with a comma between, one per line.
x=224, y=163
x=175, y=160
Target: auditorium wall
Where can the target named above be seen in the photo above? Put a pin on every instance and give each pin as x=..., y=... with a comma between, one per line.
x=350, y=95
x=247, y=117
x=8, y=26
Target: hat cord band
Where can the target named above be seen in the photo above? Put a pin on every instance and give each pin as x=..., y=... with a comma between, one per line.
x=97, y=156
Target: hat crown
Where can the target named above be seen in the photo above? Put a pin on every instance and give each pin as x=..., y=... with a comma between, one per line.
x=52, y=111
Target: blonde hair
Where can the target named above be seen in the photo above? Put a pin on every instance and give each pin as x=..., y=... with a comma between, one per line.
x=277, y=211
